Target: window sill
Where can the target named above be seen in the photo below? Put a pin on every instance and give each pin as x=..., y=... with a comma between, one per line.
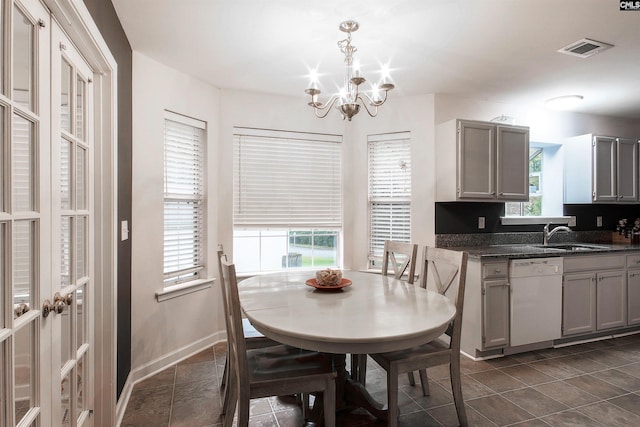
x=175, y=291
x=532, y=220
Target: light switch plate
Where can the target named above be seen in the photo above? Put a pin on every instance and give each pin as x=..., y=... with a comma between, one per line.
x=572, y=221
x=598, y=221
x=481, y=222
x=124, y=230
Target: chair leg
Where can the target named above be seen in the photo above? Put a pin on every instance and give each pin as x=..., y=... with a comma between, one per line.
x=392, y=398
x=362, y=369
x=456, y=387
x=229, y=407
x=329, y=400
x=225, y=372
x=243, y=411
x=424, y=382
x=412, y=380
x=228, y=382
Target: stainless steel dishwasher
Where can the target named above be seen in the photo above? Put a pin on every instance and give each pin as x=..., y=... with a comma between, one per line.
x=536, y=300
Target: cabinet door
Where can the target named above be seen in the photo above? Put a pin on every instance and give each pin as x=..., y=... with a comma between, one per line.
x=495, y=313
x=512, y=159
x=578, y=303
x=633, y=297
x=611, y=295
x=627, y=178
x=476, y=160
x=604, y=169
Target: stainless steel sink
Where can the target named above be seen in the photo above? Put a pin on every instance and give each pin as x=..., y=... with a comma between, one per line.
x=570, y=247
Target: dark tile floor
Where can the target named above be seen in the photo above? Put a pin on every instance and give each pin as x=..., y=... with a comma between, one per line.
x=592, y=384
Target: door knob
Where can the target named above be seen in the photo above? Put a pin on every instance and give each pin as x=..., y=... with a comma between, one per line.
x=21, y=309
x=59, y=303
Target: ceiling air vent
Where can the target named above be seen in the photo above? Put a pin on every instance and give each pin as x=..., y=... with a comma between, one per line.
x=585, y=48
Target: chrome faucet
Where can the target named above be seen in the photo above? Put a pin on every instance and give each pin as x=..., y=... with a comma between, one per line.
x=546, y=234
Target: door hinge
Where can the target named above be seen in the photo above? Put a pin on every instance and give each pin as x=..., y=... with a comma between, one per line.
x=484, y=339
x=41, y=23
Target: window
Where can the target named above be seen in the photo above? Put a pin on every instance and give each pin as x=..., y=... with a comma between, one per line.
x=546, y=195
x=184, y=200
x=389, y=192
x=287, y=200
x=534, y=206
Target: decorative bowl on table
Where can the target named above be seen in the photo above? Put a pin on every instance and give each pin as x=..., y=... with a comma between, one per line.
x=328, y=280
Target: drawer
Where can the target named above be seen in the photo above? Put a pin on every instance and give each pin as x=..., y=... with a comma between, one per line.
x=593, y=263
x=495, y=269
x=633, y=261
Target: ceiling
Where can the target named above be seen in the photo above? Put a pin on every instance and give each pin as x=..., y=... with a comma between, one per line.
x=495, y=50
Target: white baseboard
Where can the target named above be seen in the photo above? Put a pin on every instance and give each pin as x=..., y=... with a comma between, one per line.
x=150, y=369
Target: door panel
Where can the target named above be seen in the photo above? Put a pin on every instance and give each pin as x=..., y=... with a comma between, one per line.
x=71, y=199
x=476, y=145
x=24, y=212
x=578, y=303
x=604, y=169
x=512, y=172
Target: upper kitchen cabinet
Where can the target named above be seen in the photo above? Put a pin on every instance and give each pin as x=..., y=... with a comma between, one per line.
x=614, y=170
x=482, y=161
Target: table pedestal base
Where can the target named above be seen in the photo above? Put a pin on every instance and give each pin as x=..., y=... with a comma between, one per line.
x=350, y=395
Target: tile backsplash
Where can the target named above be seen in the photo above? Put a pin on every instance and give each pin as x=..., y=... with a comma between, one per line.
x=456, y=224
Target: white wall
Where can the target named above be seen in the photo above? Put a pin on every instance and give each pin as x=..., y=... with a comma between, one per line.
x=162, y=329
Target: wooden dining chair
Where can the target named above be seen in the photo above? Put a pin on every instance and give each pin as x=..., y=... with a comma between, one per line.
x=271, y=371
x=253, y=338
x=401, y=257
x=444, y=271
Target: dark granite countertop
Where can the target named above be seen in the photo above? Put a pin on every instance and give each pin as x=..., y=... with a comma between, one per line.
x=538, y=251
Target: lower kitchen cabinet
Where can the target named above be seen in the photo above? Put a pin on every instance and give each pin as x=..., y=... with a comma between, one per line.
x=611, y=298
x=633, y=297
x=495, y=313
x=578, y=303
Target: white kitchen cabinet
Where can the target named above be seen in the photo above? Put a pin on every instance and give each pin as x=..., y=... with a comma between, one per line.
x=495, y=313
x=614, y=170
x=482, y=161
x=593, y=293
x=633, y=289
x=578, y=303
x=485, y=324
x=611, y=300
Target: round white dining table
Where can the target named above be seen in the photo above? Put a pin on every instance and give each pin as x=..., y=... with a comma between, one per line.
x=374, y=314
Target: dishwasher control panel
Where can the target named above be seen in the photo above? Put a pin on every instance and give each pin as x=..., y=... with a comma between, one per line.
x=535, y=267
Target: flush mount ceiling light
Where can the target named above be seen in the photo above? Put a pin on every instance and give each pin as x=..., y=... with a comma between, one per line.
x=566, y=102
x=349, y=99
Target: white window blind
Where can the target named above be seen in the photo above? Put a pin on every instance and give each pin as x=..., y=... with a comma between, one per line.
x=389, y=191
x=184, y=199
x=286, y=179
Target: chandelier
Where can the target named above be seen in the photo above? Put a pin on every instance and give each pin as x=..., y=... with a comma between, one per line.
x=349, y=99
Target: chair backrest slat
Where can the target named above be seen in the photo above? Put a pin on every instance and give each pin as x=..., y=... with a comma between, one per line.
x=438, y=263
x=408, y=251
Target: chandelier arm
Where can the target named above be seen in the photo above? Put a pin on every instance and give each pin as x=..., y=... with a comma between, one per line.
x=376, y=103
x=326, y=107
x=364, y=103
